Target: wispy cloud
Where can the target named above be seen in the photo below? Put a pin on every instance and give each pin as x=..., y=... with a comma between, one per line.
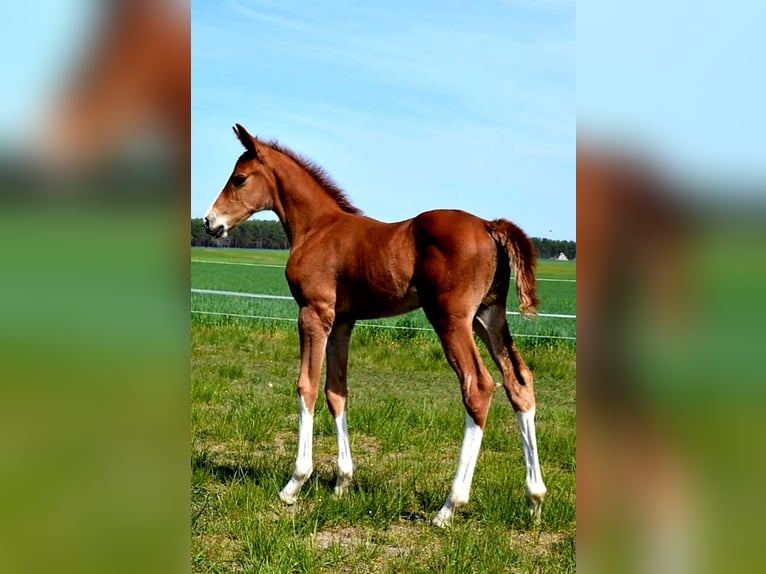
x=269, y=14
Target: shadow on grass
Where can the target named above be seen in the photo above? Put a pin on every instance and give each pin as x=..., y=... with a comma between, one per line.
x=211, y=467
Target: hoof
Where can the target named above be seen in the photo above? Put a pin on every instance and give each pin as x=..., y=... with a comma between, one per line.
x=535, y=502
x=337, y=492
x=535, y=509
x=341, y=486
x=288, y=499
x=289, y=493
x=443, y=518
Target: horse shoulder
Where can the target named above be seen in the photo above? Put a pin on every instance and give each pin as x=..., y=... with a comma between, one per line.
x=310, y=274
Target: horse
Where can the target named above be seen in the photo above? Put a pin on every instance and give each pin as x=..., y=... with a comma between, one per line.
x=344, y=266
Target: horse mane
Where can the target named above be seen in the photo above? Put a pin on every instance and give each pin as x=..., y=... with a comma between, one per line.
x=320, y=176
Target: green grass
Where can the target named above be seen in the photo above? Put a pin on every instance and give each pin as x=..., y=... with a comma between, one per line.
x=405, y=421
x=267, y=256
x=556, y=296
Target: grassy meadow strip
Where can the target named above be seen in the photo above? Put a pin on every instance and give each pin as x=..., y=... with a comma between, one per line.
x=405, y=421
x=235, y=255
x=414, y=325
x=550, y=269
x=556, y=297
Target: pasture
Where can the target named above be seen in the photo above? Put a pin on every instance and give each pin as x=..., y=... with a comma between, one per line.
x=262, y=272
x=405, y=421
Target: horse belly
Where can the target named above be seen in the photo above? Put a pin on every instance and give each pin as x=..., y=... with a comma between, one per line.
x=372, y=305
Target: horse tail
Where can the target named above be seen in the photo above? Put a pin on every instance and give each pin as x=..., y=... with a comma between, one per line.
x=522, y=257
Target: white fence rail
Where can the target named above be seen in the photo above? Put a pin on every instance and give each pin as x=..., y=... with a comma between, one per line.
x=370, y=325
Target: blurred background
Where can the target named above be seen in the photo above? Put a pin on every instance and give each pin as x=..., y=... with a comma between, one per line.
x=94, y=180
x=670, y=218
x=94, y=304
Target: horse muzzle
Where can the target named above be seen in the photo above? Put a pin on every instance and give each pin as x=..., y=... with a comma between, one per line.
x=213, y=228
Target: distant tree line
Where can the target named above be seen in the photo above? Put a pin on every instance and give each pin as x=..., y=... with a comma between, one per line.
x=260, y=234
x=551, y=248
x=263, y=234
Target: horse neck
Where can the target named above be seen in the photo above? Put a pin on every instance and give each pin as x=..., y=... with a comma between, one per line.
x=300, y=202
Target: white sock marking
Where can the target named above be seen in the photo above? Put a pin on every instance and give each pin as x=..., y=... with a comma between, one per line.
x=535, y=488
x=304, y=461
x=345, y=464
x=461, y=486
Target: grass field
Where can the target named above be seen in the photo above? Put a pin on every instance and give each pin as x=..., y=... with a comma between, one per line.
x=405, y=422
x=263, y=272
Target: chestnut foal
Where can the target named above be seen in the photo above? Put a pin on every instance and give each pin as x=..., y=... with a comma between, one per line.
x=344, y=266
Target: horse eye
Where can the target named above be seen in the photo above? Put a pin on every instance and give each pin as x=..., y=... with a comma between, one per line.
x=238, y=180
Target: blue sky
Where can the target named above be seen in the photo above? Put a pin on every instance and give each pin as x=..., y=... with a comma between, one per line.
x=682, y=78
x=39, y=46
x=416, y=105
x=408, y=105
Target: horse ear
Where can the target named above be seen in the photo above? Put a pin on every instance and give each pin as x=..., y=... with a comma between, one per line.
x=247, y=140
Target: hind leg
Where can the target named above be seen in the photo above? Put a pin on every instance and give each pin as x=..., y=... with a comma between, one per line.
x=336, y=391
x=477, y=387
x=492, y=327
